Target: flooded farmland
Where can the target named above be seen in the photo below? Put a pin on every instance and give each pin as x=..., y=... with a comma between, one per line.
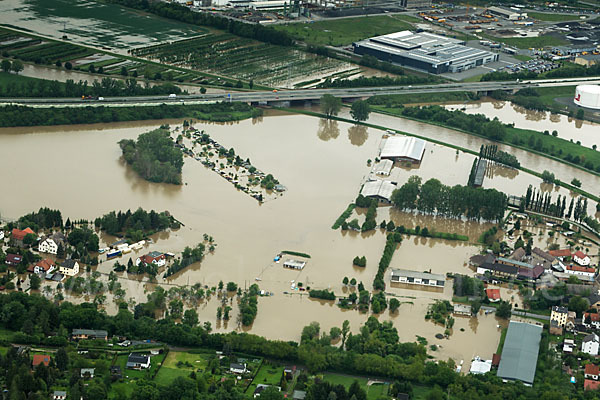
x=322, y=164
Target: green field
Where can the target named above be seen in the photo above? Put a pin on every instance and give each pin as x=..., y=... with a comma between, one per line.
x=93, y=23
x=344, y=31
x=521, y=57
x=267, y=375
x=426, y=97
x=170, y=370
x=552, y=17
x=241, y=58
x=374, y=391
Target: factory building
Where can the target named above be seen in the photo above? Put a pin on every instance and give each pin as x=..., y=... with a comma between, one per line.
x=424, y=51
x=511, y=15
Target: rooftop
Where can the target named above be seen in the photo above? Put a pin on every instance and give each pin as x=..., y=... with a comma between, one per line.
x=403, y=147
x=379, y=188
x=417, y=274
x=520, y=352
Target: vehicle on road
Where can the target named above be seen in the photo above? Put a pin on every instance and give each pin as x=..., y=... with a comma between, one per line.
x=172, y=96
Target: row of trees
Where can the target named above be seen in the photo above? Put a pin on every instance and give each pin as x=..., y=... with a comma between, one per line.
x=14, y=115
x=456, y=201
x=537, y=201
x=363, y=81
x=115, y=223
x=70, y=88
x=386, y=257
x=188, y=257
x=16, y=66
x=491, y=152
x=154, y=156
x=249, y=305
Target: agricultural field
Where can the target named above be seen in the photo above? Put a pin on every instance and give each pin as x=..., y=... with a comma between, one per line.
x=48, y=52
x=246, y=59
x=344, y=31
x=92, y=23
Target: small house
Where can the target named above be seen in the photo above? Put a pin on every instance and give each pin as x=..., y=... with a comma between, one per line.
x=18, y=236
x=238, y=369
x=294, y=264
x=48, y=245
x=115, y=372
x=591, y=320
x=138, y=361
x=59, y=395
x=579, y=271
x=581, y=258
x=568, y=346
x=555, y=329
x=69, y=267
x=40, y=359
x=260, y=388
x=79, y=334
x=13, y=259
x=589, y=384
x=87, y=373
x=298, y=395
x=462, y=309
x=44, y=266
x=493, y=295
x=592, y=371
x=154, y=257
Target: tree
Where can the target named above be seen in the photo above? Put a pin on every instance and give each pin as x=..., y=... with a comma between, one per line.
x=394, y=304
x=580, y=113
x=69, y=66
x=345, y=280
x=231, y=286
x=548, y=176
x=345, y=331
x=578, y=304
x=330, y=105
x=190, y=317
x=335, y=332
x=17, y=66
x=360, y=110
x=576, y=182
x=124, y=71
x=34, y=281
x=504, y=310
x=62, y=359
x=6, y=64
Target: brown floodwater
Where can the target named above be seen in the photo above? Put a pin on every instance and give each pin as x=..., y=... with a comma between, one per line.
x=588, y=133
x=322, y=164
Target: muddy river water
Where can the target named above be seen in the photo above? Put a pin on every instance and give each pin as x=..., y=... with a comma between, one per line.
x=78, y=170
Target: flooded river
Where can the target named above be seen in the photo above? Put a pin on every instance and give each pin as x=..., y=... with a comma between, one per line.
x=576, y=130
x=78, y=169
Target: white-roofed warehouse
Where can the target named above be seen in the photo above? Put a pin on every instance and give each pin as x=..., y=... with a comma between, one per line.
x=381, y=190
x=403, y=148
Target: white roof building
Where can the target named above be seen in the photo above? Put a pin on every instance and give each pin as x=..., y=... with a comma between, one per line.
x=403, y=148
x=381, y=190
x=479, y=366
x=383, y=167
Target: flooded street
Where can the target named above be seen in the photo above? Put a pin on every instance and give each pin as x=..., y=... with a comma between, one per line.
x=588, y=133
x=322, y=164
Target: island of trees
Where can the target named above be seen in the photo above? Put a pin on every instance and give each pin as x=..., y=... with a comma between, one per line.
x=154, y=156
x=136, y=225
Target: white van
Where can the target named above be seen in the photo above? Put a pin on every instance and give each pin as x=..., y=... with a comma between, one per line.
x=172, y=96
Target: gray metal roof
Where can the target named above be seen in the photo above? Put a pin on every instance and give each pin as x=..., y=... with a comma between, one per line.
x=416, y=274
x=383, y=167
x=403, y=146
x=520, y=352
x=379, y=188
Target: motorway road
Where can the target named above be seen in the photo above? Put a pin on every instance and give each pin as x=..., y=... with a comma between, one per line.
x=298, y=94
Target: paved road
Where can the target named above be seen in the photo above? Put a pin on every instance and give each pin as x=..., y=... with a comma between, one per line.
x=299, y=94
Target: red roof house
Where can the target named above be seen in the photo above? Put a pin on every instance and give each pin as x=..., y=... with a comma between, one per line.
x=560, y=253
x=44, y=265
x=13, y=259
x=589, y=384
x=41, y=358
x=592, y=370
x=493, y=294
x=578, y=268
x=18, y=234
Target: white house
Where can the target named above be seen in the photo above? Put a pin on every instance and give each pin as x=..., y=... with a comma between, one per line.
x=154, y=257
x=590, y=344
x=1, y=234
x=69, y=267
x=44, y=266
x=138, y=361
x=236, y=368
x=568, y=345
x=48, y=246
x=581, y=258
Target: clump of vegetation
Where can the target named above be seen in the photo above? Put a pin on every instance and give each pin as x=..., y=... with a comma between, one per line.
x=188, y=257
x=249, y=305
x=322, y=294
x=136, y=225
x=342, y=218
x=360, y=261
x=154, y=156
x=268, y=182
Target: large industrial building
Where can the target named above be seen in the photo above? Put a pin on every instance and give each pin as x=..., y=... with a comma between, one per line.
x=588, y=96
x=424, y=51
x=403, y=148
x=520, y=352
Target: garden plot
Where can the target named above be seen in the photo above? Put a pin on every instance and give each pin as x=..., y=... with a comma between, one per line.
x=247, y=59
x=93, y=59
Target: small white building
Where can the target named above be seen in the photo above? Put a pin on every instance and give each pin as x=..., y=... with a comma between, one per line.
x=378, y=189
x=462, y=309
x=479, y=366
x=581, y=258
x=294, y=264
x=417, y=278
x=403, y=148
x=69, y=267
x=590, y=344
x=568, y=345
x=383, y=167
x=236, y=368
x=1, y=234
x=154, y=257
x=48, y=246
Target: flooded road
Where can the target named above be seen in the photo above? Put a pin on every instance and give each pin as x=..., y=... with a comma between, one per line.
x=588, y=133
x=322, y=164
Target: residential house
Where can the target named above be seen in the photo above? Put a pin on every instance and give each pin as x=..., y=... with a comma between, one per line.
x=1, y=234
x=591, y=371
x=138, y=361
x=18, y=235
x=13, y=259
x=493, y=295
x=594, y=300
x=236, y=368
x=43, y=266
x=154, y=257
x=260, y=388
x=555, y=329
x=69, y=267
x=499, y=270
x=40, y=359
x=87, y=373
x=59, y=395
x=589, y=384
x=518, y=254
x=518, y=264
x=568, y=345
x=48, y=245
x=581, y=258
x=559, y=314
x=581, y=271
x=571, y=321
x=590, y=344
x=85, y=334
x=591, y=320
x=462, y=309
x=561, y=254
x=288, y=373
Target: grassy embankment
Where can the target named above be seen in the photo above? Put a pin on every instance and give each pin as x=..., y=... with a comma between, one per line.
x=344, y=31
x=552, y=17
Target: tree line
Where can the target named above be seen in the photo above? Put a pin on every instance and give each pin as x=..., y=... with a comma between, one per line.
x=154, y=156
x=105, y=87
x=14, y=115
x=188, y=257
x=491, y=152
x=117, y=223
x=541, y=202
x=458, y=201
x=184, y=14
x=44, y=218
x=363, y=81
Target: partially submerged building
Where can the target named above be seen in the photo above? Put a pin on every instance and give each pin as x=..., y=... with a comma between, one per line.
x=403, y=148
x=378, y=189
x=418, y=278
x=520, y=352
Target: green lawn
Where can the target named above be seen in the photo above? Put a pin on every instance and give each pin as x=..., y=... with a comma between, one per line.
x=501, y=343
x=11, y=77
x=522, y=57
x=373, y=391
x=552, y=17
x=267, y=375
x=427, y=97
x=344, y=31
x=170, y=370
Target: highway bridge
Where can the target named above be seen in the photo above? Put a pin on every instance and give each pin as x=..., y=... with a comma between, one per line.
x=297, y=95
